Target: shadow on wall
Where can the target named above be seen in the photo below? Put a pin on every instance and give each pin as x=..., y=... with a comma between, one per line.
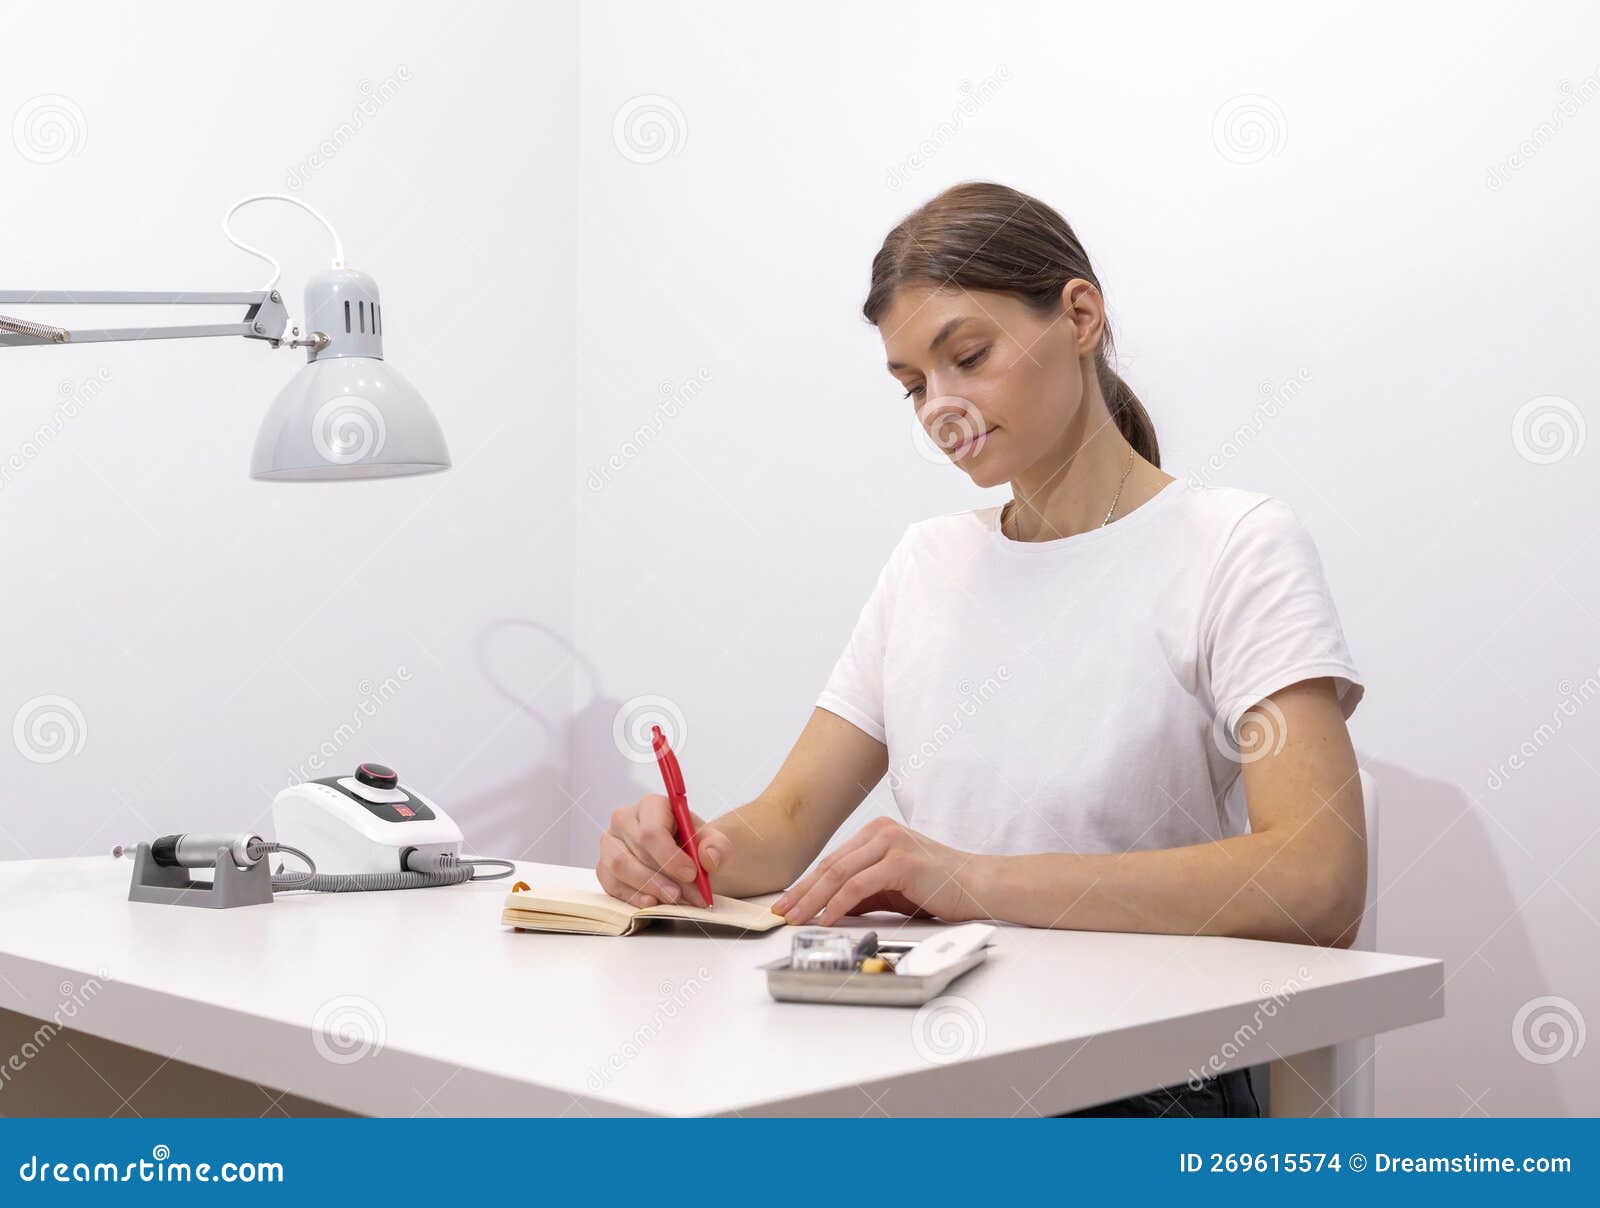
x=542, y=815
x=1444, y=894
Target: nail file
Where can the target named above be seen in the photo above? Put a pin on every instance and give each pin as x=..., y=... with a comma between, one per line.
x=945, y=949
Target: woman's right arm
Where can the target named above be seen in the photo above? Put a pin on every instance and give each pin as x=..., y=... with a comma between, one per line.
x=760, y=847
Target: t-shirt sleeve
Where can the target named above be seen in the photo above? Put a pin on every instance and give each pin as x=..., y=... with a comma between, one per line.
x=1269, y=619
x=854, y=690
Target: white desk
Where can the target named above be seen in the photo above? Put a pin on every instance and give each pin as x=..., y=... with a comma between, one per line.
x=480, y=1020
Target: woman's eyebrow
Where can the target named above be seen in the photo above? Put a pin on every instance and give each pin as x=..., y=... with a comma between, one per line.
x=939, y=338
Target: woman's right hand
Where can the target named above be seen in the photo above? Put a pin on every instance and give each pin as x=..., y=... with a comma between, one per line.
x=641, y=862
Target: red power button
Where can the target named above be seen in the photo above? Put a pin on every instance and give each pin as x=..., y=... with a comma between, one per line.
x=405, y=811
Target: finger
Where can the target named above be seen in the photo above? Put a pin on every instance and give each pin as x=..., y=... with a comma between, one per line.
x=845, y=865
x=865, y=884
x=800, y=888
x=623, y=875
x=715, y=848
x=628, y=825
x=658, y=840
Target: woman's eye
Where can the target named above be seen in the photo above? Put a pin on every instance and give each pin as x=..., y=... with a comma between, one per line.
x=913, y=392
x=973, y=361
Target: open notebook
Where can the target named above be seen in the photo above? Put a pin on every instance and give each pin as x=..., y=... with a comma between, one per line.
x=591, y=912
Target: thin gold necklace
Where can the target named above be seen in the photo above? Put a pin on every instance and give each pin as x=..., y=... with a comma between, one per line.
x=1006, y=511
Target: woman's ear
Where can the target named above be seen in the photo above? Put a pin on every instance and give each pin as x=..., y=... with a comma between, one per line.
x=1084, y=310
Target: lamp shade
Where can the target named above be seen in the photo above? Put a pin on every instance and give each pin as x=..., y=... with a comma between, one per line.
x=348, y=417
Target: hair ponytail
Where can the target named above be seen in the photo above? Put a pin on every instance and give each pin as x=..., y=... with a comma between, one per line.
x=990, y=237
x=1128, y=413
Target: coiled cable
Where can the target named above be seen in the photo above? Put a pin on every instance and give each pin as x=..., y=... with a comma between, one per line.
x=446, y=870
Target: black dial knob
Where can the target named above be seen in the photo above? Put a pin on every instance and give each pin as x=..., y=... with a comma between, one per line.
x=378, y=776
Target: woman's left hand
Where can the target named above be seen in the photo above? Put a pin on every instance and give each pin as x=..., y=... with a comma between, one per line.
x=885, y=866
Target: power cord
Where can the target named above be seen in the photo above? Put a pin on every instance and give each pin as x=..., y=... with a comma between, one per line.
x=277, y=270
x=422, y=871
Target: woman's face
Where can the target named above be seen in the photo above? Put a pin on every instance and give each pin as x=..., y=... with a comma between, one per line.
x=996, y=385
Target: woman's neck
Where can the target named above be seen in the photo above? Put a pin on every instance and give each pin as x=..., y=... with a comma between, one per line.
x=1071, y=494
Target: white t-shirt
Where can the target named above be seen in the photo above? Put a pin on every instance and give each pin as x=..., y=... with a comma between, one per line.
x=1083, y=694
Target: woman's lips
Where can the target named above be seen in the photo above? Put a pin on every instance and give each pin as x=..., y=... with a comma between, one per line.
x=970, y=444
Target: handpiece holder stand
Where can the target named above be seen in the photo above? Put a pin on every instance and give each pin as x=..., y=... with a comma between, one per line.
x=231, y=886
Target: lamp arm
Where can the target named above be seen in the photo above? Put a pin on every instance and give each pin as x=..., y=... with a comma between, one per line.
x=265, y=316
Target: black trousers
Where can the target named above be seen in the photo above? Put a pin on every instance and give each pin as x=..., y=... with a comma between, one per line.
x=1227, y=1094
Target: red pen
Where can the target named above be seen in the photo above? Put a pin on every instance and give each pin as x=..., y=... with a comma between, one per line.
x=672, y=775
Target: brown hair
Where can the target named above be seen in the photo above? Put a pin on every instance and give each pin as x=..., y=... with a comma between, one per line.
x=989, y=237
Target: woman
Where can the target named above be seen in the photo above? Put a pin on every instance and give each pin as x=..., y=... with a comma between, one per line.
x=1116, y=703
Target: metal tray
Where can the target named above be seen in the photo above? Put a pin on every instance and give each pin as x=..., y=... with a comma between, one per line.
x=863, y=989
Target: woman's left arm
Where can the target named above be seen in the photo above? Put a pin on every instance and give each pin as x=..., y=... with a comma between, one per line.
x=1298, y=876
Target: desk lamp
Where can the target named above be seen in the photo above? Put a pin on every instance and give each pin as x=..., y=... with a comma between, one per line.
x=346, y=414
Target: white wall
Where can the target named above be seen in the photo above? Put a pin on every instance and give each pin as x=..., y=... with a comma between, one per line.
x=1346, y=314
x=1349, y=313
x=215, y=633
